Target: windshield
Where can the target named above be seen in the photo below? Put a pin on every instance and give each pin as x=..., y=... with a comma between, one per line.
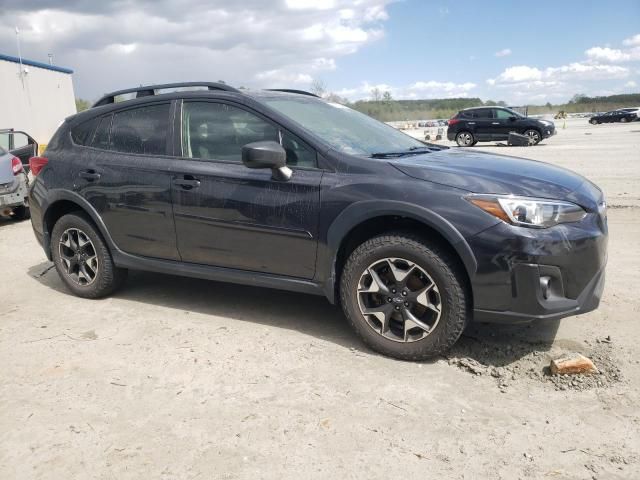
x=346, y=130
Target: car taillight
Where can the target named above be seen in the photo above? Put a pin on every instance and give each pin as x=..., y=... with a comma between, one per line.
x=453, y=121
x=36, y=164
x=16, y=165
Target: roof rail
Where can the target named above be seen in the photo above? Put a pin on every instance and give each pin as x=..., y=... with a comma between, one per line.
x=291, y=90
x=150, y=90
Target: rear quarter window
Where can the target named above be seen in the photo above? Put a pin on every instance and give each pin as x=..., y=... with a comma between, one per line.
x=82, y=134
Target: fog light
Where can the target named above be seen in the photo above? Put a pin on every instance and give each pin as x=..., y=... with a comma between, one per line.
x=545, y=287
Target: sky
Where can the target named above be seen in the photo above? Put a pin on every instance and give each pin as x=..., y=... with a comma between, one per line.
x=414, y=49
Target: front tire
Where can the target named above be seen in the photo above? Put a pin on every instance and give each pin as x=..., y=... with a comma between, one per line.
x=594, y=122
x=404, y=296
x=82, y=258
x=465, y=139
x=624, y=120
x=534, y=135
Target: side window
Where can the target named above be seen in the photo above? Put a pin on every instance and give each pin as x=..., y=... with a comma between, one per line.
x=101, y=137
x=81, y=134
x=141, y=130
x=218, y=131
x=299, y=154
x=503, y=114
x=483, y=113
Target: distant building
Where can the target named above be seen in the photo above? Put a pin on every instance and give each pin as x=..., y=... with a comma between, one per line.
x=35, y=97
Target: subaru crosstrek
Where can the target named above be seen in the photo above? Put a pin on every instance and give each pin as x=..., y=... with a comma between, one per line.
x=285, y=190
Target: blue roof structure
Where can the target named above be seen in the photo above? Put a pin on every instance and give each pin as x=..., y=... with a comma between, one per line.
x=33, y=63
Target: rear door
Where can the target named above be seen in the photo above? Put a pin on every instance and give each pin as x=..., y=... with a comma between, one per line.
x=124, y=172
x=228, y=215
x=483, y=121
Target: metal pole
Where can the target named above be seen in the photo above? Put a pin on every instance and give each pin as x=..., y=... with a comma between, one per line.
x=19, y=53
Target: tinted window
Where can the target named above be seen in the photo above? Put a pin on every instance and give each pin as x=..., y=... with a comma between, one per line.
x=101, y=137
x=483, y=113
x=81, y=134
x=141, y=130
x=479, y=113
x=218, y=131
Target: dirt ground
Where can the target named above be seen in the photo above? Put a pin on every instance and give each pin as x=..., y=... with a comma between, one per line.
x=175, y=378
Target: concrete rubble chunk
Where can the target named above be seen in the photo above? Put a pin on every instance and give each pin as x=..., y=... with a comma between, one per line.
x=572, y=365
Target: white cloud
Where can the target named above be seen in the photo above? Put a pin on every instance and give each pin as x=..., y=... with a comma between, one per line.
x=632, y=41
x=629, y=53
x=631, y=84
x=416, y=90
x=505, y=52
x=613, y=55
x=251, y=43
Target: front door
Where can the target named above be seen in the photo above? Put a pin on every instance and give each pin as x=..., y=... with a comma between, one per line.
x=504, y=122
x=228, y=215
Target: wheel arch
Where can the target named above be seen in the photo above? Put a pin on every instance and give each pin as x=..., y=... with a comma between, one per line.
x=364, y=220
x=62, y=203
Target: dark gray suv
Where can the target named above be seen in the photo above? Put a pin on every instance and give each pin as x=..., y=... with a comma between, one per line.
x=285, y=190
x=488, y=124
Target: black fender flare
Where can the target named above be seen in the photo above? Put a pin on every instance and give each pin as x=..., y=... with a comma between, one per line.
x=56, y=196
x=359, y=212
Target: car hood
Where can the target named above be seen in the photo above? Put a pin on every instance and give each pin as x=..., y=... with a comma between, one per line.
x=6, y=173
x=480, y=172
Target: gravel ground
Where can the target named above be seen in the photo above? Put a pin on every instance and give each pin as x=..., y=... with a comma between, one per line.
x=177, y=378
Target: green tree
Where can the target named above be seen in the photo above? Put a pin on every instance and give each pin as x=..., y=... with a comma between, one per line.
x=82, y=104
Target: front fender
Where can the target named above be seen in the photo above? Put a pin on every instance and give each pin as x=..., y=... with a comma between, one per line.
x=359, y=212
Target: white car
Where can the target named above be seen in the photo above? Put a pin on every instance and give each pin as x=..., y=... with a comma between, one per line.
x=635, y=110
x=13, y=187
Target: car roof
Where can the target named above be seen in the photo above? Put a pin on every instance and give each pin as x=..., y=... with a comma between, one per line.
x=152, y=94
x=166, y=88
x=484, y=106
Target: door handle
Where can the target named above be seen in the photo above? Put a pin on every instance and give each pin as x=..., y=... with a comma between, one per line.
x=187, y=182
x=472, y=123
x=495, y=123
x=90, y=175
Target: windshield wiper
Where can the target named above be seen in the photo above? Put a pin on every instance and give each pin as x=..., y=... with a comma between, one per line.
x=410, y=151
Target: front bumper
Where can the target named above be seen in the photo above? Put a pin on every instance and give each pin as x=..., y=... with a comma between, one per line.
x=549, y=131
x=525, y=274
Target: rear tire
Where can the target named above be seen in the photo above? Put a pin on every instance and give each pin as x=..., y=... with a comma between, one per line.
x=82, y=258
x=21, y=213
x=624, y=120
x=432, y=293
x=465, y=139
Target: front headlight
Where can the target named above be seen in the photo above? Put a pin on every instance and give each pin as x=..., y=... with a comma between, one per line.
x=528, y=211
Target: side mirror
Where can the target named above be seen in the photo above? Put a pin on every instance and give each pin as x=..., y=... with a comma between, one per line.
x=512, y=118
x=267, y=155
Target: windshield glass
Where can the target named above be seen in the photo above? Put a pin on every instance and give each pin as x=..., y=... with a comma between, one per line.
x=346, y=130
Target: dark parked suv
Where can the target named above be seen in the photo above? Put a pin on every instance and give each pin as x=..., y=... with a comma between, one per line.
x=488, y=124
x=282, y=189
